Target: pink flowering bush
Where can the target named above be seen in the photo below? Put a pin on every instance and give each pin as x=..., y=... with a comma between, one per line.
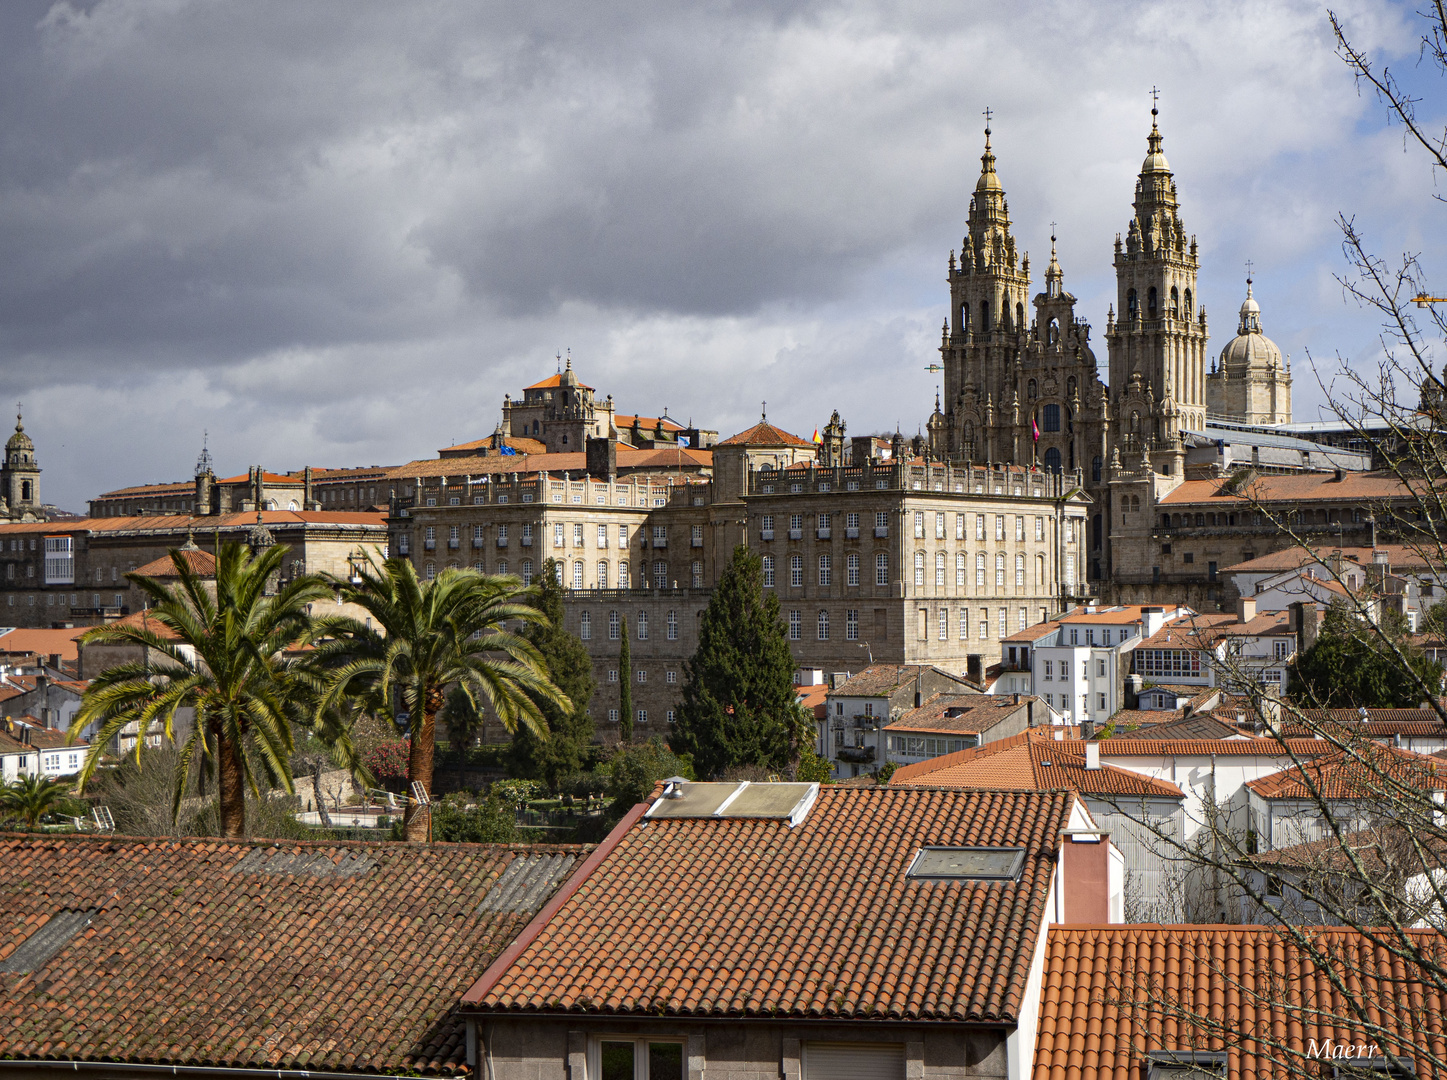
x=388, y=762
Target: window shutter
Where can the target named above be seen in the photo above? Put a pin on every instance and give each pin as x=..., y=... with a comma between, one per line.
x=853, y=1061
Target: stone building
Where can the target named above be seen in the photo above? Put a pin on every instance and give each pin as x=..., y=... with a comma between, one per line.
x=20, y=478
x=1250, y=384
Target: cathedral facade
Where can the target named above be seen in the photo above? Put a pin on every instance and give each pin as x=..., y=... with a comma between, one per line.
x=1022, y=385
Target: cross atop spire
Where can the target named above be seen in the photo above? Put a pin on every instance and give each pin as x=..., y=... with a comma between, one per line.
x=987, y=114
x=1155, y=104
x=764, y=412
x=1249, y=265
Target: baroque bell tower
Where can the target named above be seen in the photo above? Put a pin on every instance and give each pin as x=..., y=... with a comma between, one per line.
x=989, y=291
x=1157, y=342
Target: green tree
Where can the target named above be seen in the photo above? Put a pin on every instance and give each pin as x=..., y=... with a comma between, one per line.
x=424, y=636
x=217, y=648
x=490, y=822
x=32, y=797
x=570, y=669
x=634, y=770
x=1351, y=666
x=739, y=703
x=462, y=718
x=625, y=688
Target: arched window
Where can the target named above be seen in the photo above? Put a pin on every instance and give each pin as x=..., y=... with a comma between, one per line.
x=1151, y=302
x=578, y=575
x=919, y=569
x=1030, y=390
x=431, y=571
x=1175, y=303
x=1135, y=503
x=643, y=626
x=961, y=571
x=1052, y=332
x=980, y=571
x=1000, y=570
x=825, y=570
x=940, y=570
x=585, y=626
x=1190, y=312
x=1020, y=571
x=984, y=316
x=1039, y=571
x=1095, y=532
x=768, y=571
x=1052, y=459
x=1095, y=469
x=1132, y=306
x=1019, y=316
x=527, y=571
x=602, y=575
x=823, y=626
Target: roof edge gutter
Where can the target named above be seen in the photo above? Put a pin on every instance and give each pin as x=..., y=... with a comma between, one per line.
x=77, y=1065
x=495, y=970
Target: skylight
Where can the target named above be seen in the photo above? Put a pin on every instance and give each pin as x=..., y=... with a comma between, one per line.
x=774, y=802
x=972, y=863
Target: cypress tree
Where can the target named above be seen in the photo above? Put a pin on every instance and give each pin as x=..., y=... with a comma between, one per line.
x=571, y=670
x=625, y=688
x=738, y=696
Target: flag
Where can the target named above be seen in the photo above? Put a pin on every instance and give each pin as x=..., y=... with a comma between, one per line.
x=684, y=441
x=1034, y=429
x=817, y=439
x=510, y=452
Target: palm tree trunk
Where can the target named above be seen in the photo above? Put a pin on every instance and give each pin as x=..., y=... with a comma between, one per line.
x=233, y=789
x=419, y=766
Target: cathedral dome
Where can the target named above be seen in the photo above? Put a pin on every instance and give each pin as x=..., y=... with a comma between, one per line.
x=1155, y=161
x=989, y=179
x=20, y=440
x=1250, y=347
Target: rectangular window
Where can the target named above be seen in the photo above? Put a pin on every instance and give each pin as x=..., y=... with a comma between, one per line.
x=673, y=626
x=767, y=524
x=557, y=534
x=851, y=625
x=999, y=526
x=613, y=625
x=984, y=624
x=578, y=535
x=796, y=626
x=851, y=521
x=1024, y=618
x=768, y=571
x=697, y=574
x=823, y=626
x=1040, y=528
x=881, y=569
x=1004, y=621
x=881, y=521
x=1049, y=668
x=643, y=626
x=660, y=536
x=622, y=536
x=585, y=626
x=527, y=536
x=944, y=624
x=1101, y=699
x=612, y=675
x=825, y=571
x=959, y=526
x=979, y=526
x=964, y=624
x=670, y=677
x=642, y=675
x=613, y=713
x=919, y=524
x=939, y=526
x=796, y=571
x=1019, y=527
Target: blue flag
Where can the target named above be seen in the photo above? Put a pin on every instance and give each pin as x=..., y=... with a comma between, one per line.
x=683, y=440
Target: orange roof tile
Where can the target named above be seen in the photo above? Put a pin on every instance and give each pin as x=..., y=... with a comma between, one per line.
x=751, y=907
x=264, y=955
x=1032, y=760
x=553, y=381
x=42, y=642
x=765, y=434
x=1112, y=993
x=1357, y=773
x=201, y=563
x=963, y=713
x=621, y=421
x=1290, y=487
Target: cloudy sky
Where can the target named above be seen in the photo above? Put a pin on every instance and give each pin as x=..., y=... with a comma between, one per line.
x=337, y=233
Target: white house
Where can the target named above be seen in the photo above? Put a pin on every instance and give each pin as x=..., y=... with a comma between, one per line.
x=27, y=749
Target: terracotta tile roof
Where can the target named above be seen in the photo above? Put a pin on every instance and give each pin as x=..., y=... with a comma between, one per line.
x=516, y=442
x=880, y=680
x=202, y=563
x=1411, y=847
x=147, y=621
x=1132, y=745
x=748, y=917
x=812, y=698
x=554, y=381
x=1352, y=718
x=1197, y=726
x=1035, y=761
x=42, y=642
x=765, y=434
x=1111, y=993
x=1112, y=616
x=1289, y=487
x=1399, y=557
x=305, y=955
x=1031, y=633
x=650, y=423
x=180, y=487
x=494, y=464
x=1358, y=773
x=20, y=738
x=963, y=713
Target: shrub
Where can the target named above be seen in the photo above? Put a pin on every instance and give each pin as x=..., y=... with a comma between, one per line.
x=388, y=761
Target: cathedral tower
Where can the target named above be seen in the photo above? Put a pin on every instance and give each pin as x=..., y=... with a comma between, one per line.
x=1157, y=343
x=989, y=289
x=20, y=475
x=1251, y=385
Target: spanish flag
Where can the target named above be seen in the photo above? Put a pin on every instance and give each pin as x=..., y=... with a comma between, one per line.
x=817, y=438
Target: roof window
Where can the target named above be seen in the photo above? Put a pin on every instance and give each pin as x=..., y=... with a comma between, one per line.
x=1186, y=1065
x=1373, y=1068
x=776, y=802
x=971, y=863
x=37, y=950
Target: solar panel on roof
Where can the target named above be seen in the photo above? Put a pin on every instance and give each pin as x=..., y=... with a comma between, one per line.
x=773, y=802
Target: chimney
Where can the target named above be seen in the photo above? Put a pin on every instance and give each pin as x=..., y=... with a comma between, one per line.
x=1015, y=699
x=975, y=668
x=1336, y=478
x=1245, y=609
x=1092, y=754
x=602, y=458
x=1087, y=731
x=1085, y=869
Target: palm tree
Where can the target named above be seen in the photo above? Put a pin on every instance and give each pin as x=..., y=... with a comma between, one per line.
x=424, y=636
x=32, y=797
x=216, y=652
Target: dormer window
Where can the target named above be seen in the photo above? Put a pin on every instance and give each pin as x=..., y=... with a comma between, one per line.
x=1186, y=1065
